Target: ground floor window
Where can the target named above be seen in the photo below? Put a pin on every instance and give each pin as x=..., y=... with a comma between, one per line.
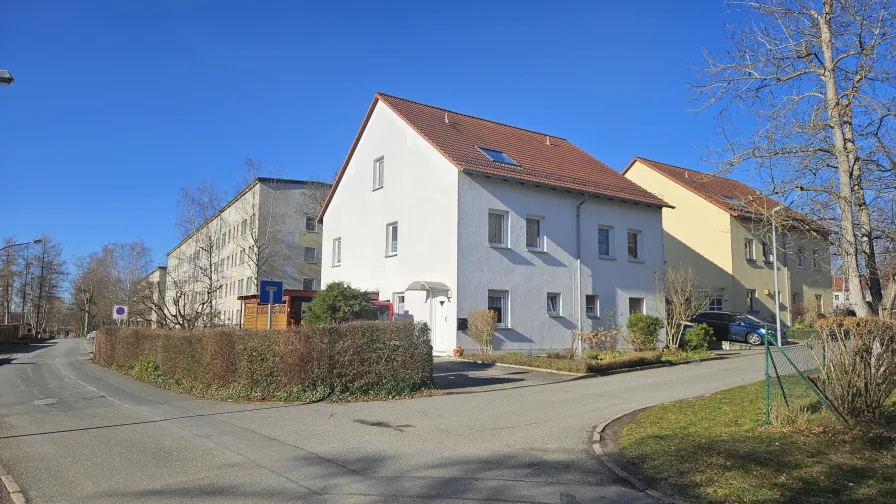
x=715, y=304
x=751, y=300
x=497, y=302
x=635, y=305
x=553, y=303
x=308, y=284
x=398, y=303
x=592, y=308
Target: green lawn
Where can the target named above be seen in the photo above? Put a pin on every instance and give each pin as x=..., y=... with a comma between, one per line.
x=716, y=449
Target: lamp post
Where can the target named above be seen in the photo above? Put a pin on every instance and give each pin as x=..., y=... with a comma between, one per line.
x=775, y=266
x=6, y=290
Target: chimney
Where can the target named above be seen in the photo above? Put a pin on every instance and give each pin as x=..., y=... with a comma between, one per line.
x=548, y=140
x=446, y=118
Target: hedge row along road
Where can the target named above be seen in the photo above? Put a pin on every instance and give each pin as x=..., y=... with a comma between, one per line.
x=71, y=431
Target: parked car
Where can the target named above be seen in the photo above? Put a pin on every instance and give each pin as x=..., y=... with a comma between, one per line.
x=737, y=327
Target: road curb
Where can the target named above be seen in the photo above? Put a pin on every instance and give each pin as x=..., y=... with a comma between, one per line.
x=608, y=460
x=15, y=491
x=581, y=376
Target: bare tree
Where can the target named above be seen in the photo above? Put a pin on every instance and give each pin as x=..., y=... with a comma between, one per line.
x=817, y=79
x=49, y=272
x=684, y=298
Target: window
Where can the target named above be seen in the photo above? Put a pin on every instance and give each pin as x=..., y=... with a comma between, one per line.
x=749, y=254
x=818, y=304
x=337, y=251
x=311, y=224
x=736, y=202
x=605, y=241
x=239, y=287
x=796, y=299
x=836, y=297
x=497, y=302
x=635, y=305
x=497, y=156
x=800, y=258
x=497, y=228
x=379, y=171
x=751, y=300
x=250, y=285
x=398, y=303
x=310, y=254
x=815, y=259
x=766, y=253
x=591, y=305
x=391, y=239
x=243, y=227
x=534, y=239
x=308, y=284
x=634, y=245
x=553, y=304
x=242, y=257
x=715, y=304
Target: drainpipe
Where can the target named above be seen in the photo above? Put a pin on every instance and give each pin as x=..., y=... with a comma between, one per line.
x=578, y=303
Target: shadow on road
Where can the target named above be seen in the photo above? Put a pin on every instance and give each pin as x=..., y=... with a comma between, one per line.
x=9, y=348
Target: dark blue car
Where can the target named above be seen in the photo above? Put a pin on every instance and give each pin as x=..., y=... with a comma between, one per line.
x=737, y=327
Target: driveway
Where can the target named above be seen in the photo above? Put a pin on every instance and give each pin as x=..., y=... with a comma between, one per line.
x=74, y=432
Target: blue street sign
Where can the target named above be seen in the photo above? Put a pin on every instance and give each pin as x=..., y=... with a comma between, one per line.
x=270, y=292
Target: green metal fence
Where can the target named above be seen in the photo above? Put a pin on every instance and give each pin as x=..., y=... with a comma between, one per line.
x=791, y=377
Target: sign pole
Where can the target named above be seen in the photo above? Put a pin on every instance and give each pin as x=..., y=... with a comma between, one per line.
x=269, y=316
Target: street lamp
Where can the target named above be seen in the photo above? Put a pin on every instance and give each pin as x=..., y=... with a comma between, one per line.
x=5, y=78
x=7, y=295
x=775, y=266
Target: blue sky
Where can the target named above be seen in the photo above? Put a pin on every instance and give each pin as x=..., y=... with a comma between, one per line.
x=117, y=104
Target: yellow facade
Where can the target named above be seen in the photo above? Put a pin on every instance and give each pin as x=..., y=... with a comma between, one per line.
x=699, y=234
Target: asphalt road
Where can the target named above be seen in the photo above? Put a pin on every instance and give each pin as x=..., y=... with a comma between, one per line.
x=71, y=431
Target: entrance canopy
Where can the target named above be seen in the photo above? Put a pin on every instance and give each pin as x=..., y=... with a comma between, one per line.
x=426, y=285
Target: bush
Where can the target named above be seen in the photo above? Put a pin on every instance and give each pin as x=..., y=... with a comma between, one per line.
x=339, y=302
x=581, y=366
x=643, y=331
x=858, y=374
x=698, y=338
x=481, y=325
x=307, y=363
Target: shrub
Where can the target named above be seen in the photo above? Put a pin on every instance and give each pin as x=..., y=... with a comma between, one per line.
x=698, y=338
x=581, y=366
x=481, y=325
x=306, y=363
x=643, y=331
x=858, y=374
x=339, y=302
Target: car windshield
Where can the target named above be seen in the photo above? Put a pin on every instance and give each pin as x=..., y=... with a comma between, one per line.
x=749, y=319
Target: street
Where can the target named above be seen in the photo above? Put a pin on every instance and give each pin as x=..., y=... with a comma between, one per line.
x=71, y=431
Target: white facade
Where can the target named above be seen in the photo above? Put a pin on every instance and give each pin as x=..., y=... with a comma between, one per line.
x=442, y=216
x=261, y=234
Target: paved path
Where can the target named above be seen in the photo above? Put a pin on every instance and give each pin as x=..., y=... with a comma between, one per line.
x=74, y=432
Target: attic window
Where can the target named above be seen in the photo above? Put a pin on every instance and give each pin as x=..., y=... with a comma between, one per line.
x=497, y=156
x=735, y=202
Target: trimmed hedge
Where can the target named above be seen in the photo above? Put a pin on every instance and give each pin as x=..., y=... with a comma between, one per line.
x=581, y=365
x=307, y=363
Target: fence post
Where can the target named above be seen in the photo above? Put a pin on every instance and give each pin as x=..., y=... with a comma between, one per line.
x=767, y=399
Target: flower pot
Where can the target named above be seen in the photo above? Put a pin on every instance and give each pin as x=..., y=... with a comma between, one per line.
x=458, y=351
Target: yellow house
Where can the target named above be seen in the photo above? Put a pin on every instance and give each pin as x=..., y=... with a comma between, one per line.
x=722, y=229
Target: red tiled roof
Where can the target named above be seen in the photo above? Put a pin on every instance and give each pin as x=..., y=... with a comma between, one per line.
x=541, y=158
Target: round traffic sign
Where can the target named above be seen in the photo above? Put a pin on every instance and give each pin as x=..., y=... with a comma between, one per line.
x=119, y=310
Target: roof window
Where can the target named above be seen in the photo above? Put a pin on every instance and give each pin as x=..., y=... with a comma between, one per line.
x=497, y=156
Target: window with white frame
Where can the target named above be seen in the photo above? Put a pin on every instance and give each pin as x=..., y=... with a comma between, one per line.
x=715, y=304
x=635, y=305
x=243, y=227
x=308, y=284
x=498, y=303
x=534, y=239
x=605, y=246
x=592, y=305
x=398, y=303
x=379, y=172
x=239, y=286
x=800, y=258
x=553, y=307
x=634, y=245
x=311, y=224
x=337, y=251
x=310, y=254
x=497, y=228
x=391, y=238
x=749, y=253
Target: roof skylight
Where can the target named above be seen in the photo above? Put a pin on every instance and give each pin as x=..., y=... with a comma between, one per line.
x=497, y=156
x=735, y=202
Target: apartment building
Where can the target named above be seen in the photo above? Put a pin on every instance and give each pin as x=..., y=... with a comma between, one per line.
x=146, y=311
x=268, y=231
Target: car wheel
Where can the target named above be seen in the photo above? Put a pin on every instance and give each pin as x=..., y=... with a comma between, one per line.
x=754, y=339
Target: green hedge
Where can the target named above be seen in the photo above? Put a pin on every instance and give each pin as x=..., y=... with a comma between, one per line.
x=581, y=365
x=342, y=361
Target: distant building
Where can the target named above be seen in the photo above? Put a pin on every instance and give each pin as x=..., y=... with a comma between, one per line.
x=840, y=289
x=268, y=231
x=150, y=296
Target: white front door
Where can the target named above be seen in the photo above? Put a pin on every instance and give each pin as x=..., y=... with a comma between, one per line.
x=439, y=322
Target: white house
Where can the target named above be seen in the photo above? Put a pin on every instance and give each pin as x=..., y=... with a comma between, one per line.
x=443, y=213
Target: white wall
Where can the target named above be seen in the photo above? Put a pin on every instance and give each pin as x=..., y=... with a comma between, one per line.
x=529, y=276
x=419, y=192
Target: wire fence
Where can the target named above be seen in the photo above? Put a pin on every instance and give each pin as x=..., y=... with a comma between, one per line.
x=791, y=377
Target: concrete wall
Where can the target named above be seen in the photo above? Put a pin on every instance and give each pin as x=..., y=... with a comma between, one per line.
x=529, y=276
x=420, y=193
